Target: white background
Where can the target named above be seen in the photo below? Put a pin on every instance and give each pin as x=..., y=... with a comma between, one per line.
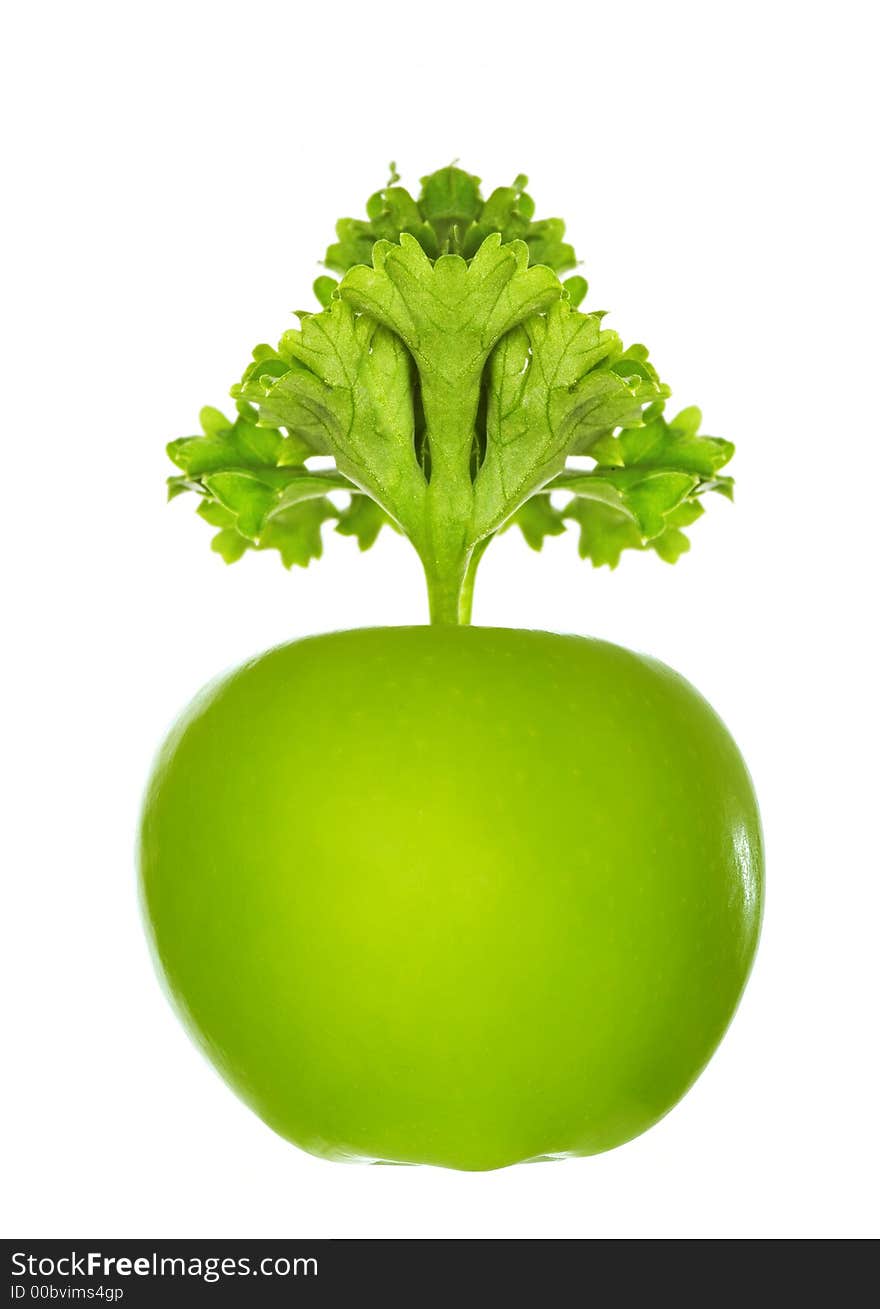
x=175, y=172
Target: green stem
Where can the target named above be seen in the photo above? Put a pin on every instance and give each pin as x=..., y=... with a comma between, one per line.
x=445, y=591
x=466, y=599
x=451, y=589
x=450, y=408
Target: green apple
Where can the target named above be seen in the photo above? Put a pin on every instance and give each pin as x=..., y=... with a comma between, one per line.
x=457, y=896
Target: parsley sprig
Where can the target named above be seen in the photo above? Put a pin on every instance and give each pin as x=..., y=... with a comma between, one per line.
x=450, y=387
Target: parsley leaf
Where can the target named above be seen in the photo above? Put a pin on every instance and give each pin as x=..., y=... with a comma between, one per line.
x=556, y=386
x=450, y=217
x=258, y=499
x=450, y=387
x=644, y=490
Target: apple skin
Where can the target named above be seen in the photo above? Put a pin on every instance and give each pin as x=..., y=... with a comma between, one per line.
x=456, y=896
